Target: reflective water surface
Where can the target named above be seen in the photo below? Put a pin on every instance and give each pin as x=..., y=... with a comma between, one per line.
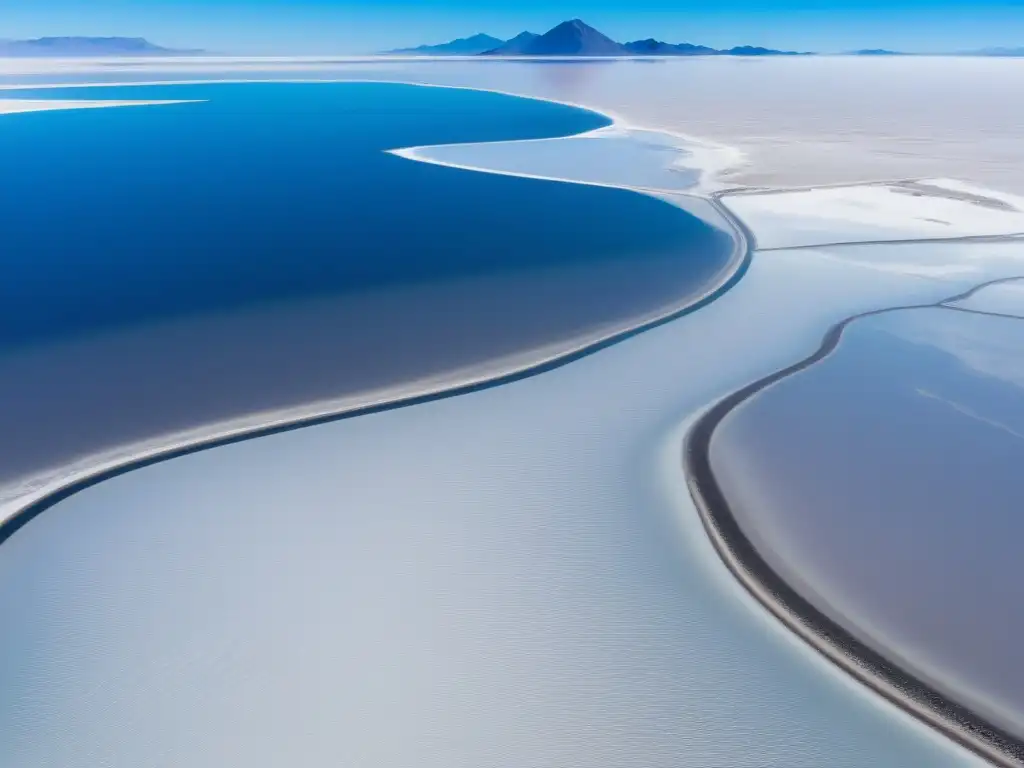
x=527, y=593
x=172, y=266
x=514, y=577
x=884, y=484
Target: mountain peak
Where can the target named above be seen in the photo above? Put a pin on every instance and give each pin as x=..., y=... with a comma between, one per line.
x=479, y=37
x=570, y=38
x=575, y=37
x=575, y=27
x=516, y=46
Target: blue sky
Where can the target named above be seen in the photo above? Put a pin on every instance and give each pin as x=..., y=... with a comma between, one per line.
x=344, y=26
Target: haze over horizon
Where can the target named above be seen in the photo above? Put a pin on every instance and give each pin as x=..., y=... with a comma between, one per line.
x=347, y=26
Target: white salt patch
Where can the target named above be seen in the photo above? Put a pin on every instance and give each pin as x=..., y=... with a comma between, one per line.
x=12, y=106
x=918, y=210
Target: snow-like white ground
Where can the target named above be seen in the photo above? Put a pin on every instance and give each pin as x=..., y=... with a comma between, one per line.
x=613, y=156
x=948, y=125
x=938, y=260
x=12, y=106
x=518, y=576
x=794, y=121
x=924, y=209
x=512, y=577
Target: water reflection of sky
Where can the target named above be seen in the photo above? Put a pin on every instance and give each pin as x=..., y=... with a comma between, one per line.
x=884, y=484
x=268, y=254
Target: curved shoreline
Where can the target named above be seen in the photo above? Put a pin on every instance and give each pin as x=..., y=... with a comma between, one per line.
x=33, y=503
x=53, y=495
x=882, y=677
x=786, y=604
x=616, y=120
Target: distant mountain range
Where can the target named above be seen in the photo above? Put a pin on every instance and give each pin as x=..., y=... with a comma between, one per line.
x=87, y=46
x=576, y=38
x=463, y=46
x=876, y=52
x=1009, y=52
x=652, y=47
x=997, y=52
x=570, y=38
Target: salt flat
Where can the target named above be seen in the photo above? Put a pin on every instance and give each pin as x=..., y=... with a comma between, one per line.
x=611, y=156
x=515, y=576
x=13, y=106
x=921, y=209
x=518, y=575
x=796, y=121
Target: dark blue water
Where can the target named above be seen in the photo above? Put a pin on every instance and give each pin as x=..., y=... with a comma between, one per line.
x=260, y=249
x=279, y=190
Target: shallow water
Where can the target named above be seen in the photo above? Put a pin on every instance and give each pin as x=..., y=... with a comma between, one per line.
x=530, y=592
x=512, y=577
x=1002, y=299
x=883, y=483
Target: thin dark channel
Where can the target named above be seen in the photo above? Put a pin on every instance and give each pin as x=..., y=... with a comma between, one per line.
x=797, y=613
x=986, y=313
x=742, y=254
x=910, y=241
x=967, y=294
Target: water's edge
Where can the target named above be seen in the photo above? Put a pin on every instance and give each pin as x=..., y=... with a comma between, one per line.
x=24, y=506
x=783, y=601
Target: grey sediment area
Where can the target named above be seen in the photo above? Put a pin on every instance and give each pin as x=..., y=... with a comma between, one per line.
x=782, y=600
x=738, y=262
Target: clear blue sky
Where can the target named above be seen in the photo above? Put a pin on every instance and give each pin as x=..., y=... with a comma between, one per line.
x=345, y=26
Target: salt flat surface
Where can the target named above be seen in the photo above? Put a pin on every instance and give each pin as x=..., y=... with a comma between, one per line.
x=610, y=156
x=892, y=118
x=537, y=589
x=1002, y=299
x=944, y=260
x=511, y=577
x=793, y=121
x=12, y=106
x=926, y=209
